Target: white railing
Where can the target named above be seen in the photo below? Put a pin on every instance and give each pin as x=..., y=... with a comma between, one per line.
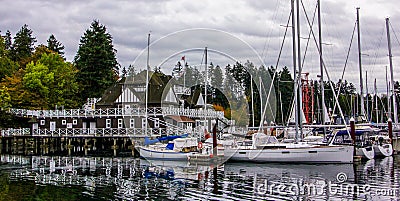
x=92, y=132
x=15, y=132
x=76, y=113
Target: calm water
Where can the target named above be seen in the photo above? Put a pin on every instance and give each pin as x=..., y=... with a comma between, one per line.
x=99, y=178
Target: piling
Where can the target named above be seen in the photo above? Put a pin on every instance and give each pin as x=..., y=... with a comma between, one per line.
x=390, y=130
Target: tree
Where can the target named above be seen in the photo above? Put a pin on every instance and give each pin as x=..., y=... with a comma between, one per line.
x=54, y=45
x=23, y=45
x=7, y=66
x=286, y=90
x=96, y=61
x=52, y=80
x=5, y=99
x=217, y=78
x=8, y=41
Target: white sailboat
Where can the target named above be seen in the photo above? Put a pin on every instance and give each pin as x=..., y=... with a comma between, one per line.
x=381, y=143
x=176, y=149
x=382, y=147
x=266, y=148
x=363, y=147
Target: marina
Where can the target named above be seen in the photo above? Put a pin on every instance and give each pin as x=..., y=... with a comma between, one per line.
x=110, y=178
x=207, y=114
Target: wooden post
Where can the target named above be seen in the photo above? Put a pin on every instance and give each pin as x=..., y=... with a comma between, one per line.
x=390, y=130
x=353, y=134
x=94, y=144
x=215, y=151
x=353, y=130
x=86, y=147
x=114, y=147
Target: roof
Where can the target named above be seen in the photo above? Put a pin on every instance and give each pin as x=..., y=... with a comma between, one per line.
x=112, y=93
x=157, y=84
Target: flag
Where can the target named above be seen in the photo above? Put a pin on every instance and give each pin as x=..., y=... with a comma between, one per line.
x=206, y=134
x=183, y=58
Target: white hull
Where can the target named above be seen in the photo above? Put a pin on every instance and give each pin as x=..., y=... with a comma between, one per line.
x=384, y=150
x=365, y=152
x=319, y=154
x=165, y=154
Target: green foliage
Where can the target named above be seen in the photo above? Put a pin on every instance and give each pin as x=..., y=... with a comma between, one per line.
x=217, y=78
x=7, y=66
x=23, y=45
x=54, y=45
x=8, y=41
x=53, y=80
x=38, y=78
x=5, y=99
x=48, y=80
x=96, y=61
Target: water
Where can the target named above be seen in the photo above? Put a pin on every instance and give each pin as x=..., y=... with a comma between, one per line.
x=113, y=178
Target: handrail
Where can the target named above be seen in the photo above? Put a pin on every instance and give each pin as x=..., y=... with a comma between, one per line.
x=118, y=112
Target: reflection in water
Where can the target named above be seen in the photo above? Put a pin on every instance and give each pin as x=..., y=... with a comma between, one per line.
x=81, y=178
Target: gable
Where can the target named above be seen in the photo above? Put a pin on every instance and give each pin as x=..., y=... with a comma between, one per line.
x=127, y=97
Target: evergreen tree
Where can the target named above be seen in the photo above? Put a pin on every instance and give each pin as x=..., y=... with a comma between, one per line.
x=96, y=61
x=217, y=78
x=8, y=41
x=54, y=45
x=7, y=66
x=286, y=92
x=23, y=45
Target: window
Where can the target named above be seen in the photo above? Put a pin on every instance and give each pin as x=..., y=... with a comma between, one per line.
x=132, y=123
x=42, y=122
x=52, y=125
x=120, y=123
x=63, y=122
x=108, y=123
x=156, y=123
x=144, y=123
x=74, y=122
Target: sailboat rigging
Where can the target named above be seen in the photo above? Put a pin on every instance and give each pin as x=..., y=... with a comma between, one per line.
x=266, y=148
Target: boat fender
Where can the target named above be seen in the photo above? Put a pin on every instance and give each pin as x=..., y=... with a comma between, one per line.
x=200, y=145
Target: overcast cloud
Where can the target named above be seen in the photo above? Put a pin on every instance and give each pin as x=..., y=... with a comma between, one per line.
x=230, y=27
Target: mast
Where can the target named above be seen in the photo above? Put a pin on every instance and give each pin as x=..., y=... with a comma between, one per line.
x=252, y=99
x=261, y=101
x=205, y=87
x=389, y=114
x=147, y=78
x=359, y=64
x=300, y=102
x=391, y=73
x=366, y=88
x=376, y=102
x=321, y=67
x=296, y=115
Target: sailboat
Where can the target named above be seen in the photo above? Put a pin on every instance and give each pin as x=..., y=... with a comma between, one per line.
x=267, y=148
x=363, y=145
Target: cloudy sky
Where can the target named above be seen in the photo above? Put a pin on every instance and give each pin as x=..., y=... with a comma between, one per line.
x=232, y=30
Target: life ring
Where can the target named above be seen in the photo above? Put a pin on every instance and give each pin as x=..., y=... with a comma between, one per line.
x=200, y=145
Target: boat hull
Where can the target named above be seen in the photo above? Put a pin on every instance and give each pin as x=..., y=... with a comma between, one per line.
x=162, y=154
x=365, y=152
x=383, y=150
x=322, y=154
